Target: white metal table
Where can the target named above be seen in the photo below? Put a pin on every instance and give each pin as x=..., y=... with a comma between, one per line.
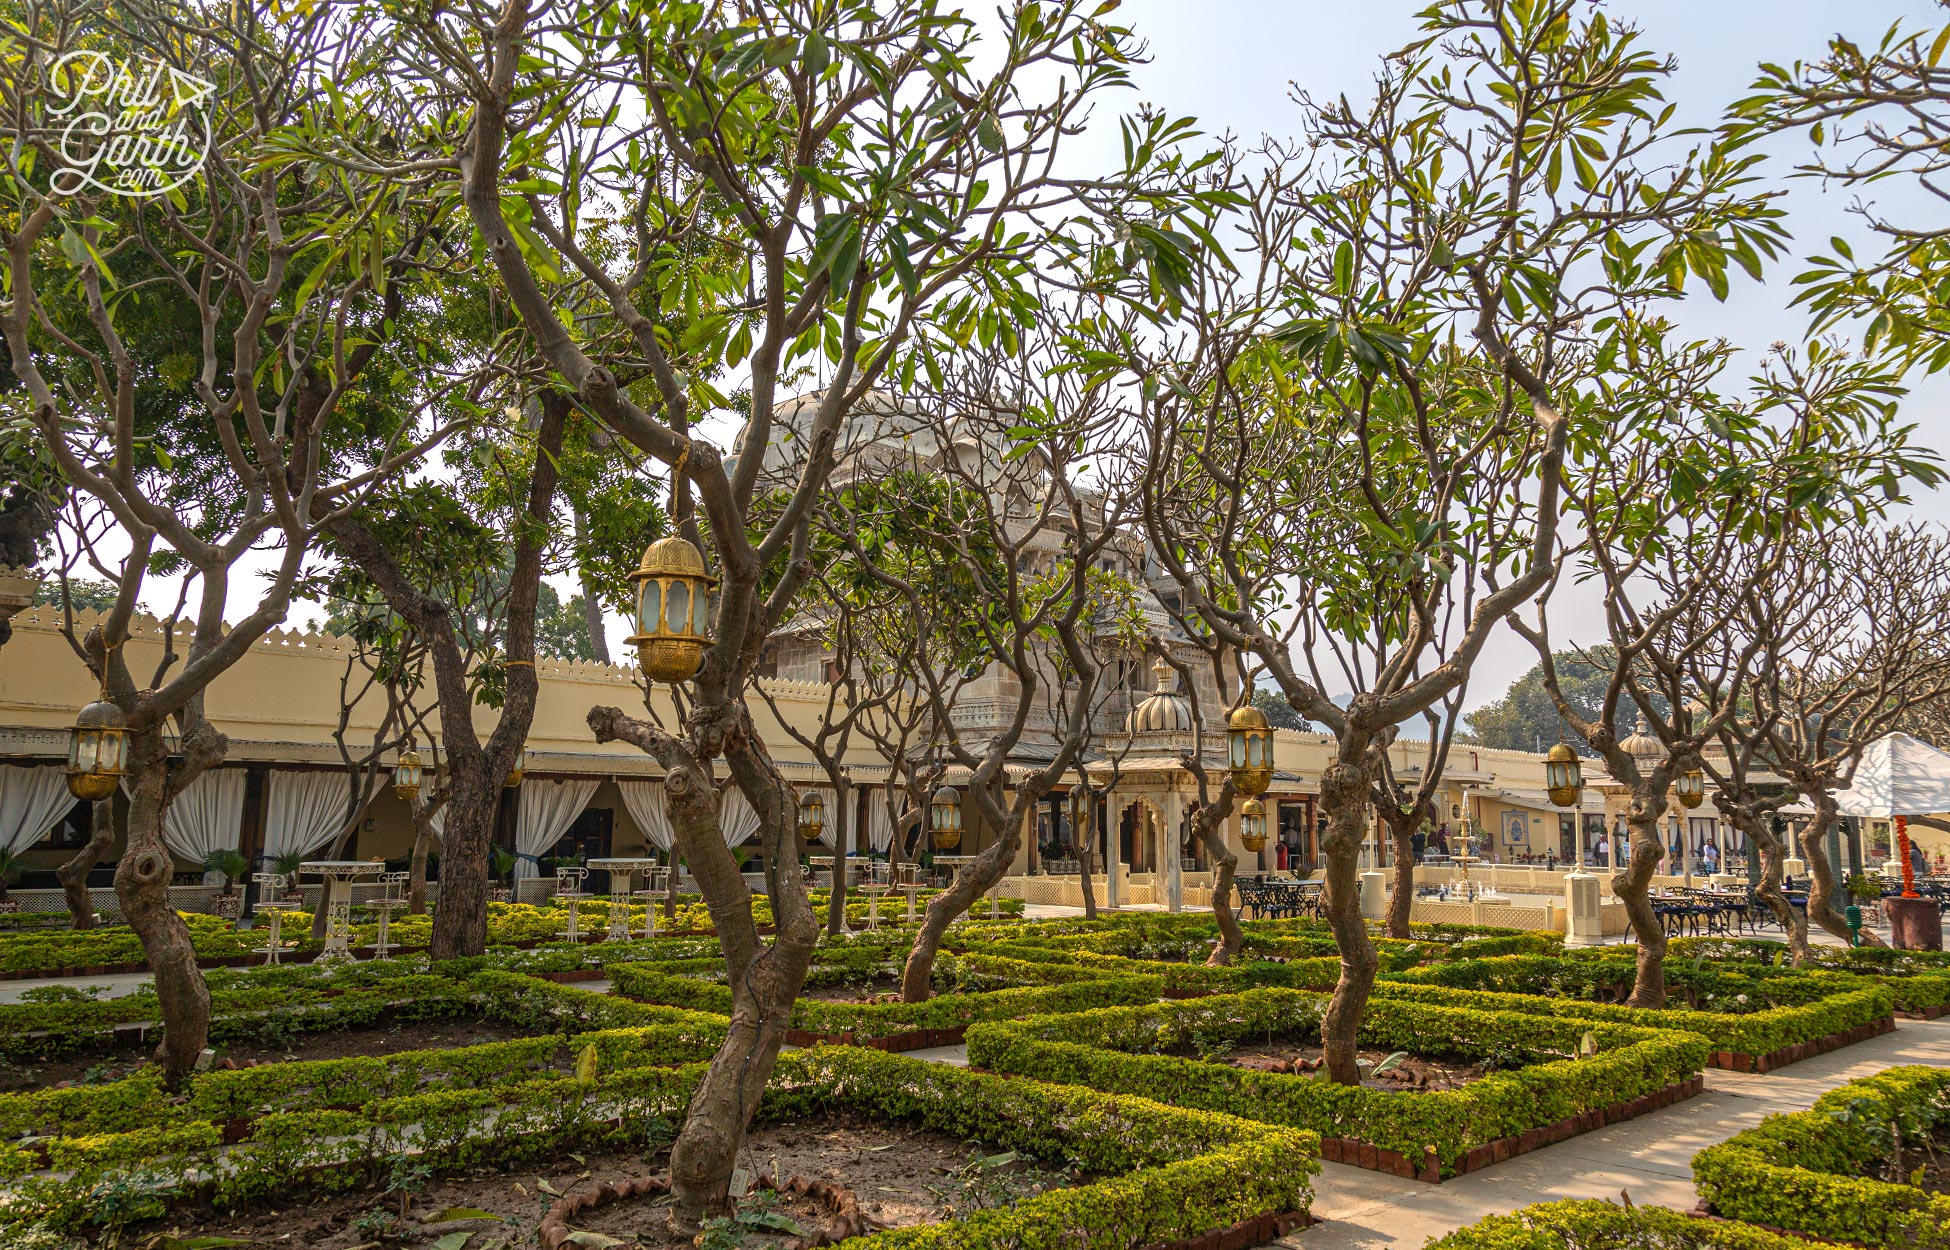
x=622, y=875
x=339, y=875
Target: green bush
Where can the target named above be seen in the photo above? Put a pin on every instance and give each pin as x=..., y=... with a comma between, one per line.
x=1586, y=1225
x=1123, y=1049
x=1814, y=1172
x=1833, y=1003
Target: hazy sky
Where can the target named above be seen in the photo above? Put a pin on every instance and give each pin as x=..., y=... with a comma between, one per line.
x=1234, y=65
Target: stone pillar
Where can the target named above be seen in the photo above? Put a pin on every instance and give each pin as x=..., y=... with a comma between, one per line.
x=1583, y=921
x=1174, y=811
x=1374, y=895
x=1112, y=820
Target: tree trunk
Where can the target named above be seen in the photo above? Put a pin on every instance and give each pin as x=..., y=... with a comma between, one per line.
x=1343, y=794
x=1821, y=874
x=460, y=926
x=842, y=839
x=1208, y=826
x=1402, y=833
x=1631, y=886
x=975, y=880
x=423, y=844
x=73, y=875
x=592, y=608
x=142, y=885
x=1086, y=863
x=1758, y=828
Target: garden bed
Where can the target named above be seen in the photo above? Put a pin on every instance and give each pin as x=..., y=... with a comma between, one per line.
x=899, y=1174
x=1540, y=1090
x=1844, y=1169
x=1169, y=1175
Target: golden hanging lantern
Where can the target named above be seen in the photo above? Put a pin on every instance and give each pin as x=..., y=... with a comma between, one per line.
x=1249, y=750
x=1564, y=776
x=98, y=751
x=407, y=775
x=1690, y=786
x=812, y=817
x=944, y=818
x=673, y=610
x=1252, y=825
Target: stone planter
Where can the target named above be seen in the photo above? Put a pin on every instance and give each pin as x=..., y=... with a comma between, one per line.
x=1915, y=924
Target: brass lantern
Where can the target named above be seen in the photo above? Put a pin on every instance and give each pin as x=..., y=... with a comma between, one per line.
x=98, y=751
x=1249, y=750
x=1564, y=776
x=812, y=817
x=944, y=818
x=1079, y=815
x=520, y=767
x=673, y=610
x=1690, y=786
x=1252, y=825
x=407, y=774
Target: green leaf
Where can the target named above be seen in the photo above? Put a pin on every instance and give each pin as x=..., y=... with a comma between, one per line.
x=452, y=1241
x=817, y=55
x=580, y=1237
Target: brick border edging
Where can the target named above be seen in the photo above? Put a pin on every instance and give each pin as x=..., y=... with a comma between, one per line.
x=1739, y=1061
x=1928, y=1013
x=893, y=1043
x=1362, y=1155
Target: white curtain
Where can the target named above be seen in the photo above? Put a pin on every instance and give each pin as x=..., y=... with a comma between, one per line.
x=548, y=808
x=31, y=800
x=880, y=825
x=207, y=816
x=737, y=818
x=437, y=825
x=645, y=802
x=303, y=811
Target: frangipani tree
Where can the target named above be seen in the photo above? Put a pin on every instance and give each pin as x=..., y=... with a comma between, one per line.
x=1358, y=430
x=859, y=188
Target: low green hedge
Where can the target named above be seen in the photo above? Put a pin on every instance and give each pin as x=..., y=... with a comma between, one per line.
x=1169, y=1173
x=1119, y=1049
x=1850, y=1001
x=866, y=1021
x=1588, y=1225
x=1813, y=1172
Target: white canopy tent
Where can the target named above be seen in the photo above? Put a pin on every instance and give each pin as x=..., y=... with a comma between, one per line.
x=1898, y=776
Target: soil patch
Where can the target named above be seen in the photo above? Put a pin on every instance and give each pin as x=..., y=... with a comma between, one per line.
x=1928, y=1170
x=901, y=1175
x=100, y=1065
x=1380, y=1069
x=883, y=990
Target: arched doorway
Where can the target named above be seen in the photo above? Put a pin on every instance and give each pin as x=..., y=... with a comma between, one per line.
x=1138, y=826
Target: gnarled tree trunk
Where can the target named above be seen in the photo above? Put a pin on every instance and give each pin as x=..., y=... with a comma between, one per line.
x=1821, y=874
x=974, y=880
x=73, y=875
x=1632, y=885
x=1343, y=795
x=1758, y=829
x=1401, y=833
x=764, y=980
x=842, y=839
x=142, y=885
x=423, y=844
x=1208, y=826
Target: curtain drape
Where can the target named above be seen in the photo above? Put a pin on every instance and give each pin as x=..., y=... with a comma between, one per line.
x=647, y=807
x=437, y=825
x=547, y=810
x=207, y=816
x=880, y=824
x=737, y=818
x=31, y=800
x=302, y=811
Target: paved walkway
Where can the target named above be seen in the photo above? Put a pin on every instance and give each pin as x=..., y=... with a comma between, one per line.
x=1649, y=1158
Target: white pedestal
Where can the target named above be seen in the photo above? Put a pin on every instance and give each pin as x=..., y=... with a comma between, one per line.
x=1374, y=895
x=1583, y=922
x=1794, y=866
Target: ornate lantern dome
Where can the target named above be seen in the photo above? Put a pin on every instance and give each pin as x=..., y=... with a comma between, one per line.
x=1564, y=776
x=1249, y=750
x=1164, y=710
x=673, y=609
x=98, y=750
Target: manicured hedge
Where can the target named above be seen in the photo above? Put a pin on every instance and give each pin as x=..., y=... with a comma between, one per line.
x=1120, y=1049
x=1813, y=1172
x=1587, y=1225
x=1849, y=1002
x=1171, y=1173
x=864, y=1021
